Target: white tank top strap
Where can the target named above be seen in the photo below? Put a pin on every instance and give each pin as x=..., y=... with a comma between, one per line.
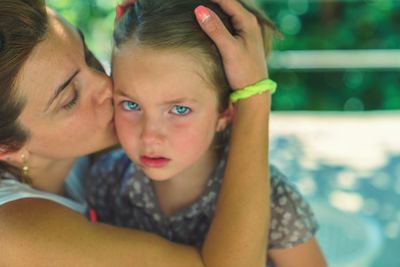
x=12, y=190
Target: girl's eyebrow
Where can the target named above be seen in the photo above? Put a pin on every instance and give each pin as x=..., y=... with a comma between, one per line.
x=180, y=100
x=172, y=101
x=121, y=93
x=60, y=88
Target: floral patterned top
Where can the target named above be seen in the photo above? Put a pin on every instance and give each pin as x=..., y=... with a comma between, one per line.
x=122, y=195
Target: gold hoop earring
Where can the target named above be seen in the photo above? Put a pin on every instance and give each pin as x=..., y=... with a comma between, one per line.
x=25, y=170
x=25, y=167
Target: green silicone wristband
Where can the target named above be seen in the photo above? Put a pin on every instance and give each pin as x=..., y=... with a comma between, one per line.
x=257, y=88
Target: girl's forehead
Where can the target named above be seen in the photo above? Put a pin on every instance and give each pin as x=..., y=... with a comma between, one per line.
x=160, y=77
x=167, y=62
x=142, y=65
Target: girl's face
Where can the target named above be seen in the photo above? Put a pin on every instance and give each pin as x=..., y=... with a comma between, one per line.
x=68, y=109
x=165, y=110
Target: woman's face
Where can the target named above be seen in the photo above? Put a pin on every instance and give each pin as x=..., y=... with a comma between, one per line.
x=68, y=109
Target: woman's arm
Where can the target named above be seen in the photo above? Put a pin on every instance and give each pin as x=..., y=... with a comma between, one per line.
x=42, y=233
x=306, y=254
x=35, y=232
x=238, y=234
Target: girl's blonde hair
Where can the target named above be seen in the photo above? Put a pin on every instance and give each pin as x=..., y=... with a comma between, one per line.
x=171, y=24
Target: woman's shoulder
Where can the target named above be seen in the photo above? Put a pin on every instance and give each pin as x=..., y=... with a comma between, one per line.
x=27, y=216
x=28, y=224
x=28, y=209
x=13, y=191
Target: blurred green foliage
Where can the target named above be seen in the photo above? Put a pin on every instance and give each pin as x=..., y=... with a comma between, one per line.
x=94, y=17
x=336, y=25
x=306, y=25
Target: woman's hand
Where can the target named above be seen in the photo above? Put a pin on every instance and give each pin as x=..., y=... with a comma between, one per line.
x=121, y=8
x=242, y=54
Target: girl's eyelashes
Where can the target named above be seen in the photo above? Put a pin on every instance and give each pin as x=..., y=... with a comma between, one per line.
x=181, y=110
x=130, y=105
x=176, y=109
x=72, y=102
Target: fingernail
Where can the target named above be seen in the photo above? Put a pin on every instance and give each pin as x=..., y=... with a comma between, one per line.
x=119, y=11
x=202, y=13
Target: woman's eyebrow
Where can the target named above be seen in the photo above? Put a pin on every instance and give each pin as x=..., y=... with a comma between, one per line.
x=60, y=88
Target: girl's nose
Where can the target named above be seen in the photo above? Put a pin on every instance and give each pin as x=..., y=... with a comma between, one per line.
x=152, y=133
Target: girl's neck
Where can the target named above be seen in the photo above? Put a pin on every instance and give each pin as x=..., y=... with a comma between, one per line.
x=184, y=189
x=49, y=175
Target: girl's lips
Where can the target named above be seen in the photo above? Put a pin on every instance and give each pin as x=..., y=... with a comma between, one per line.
x=154, y=162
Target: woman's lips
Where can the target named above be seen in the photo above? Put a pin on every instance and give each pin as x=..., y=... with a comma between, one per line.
x=154, y=162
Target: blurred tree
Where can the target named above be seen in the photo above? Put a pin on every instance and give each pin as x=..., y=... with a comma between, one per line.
x=96, y=20
x=335, y=25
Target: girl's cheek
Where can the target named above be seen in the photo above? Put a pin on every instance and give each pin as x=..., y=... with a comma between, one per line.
x=187, y=132
x=124, y=124
x=179, y=125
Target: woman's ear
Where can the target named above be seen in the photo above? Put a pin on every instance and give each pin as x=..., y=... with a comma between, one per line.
x=12, y=156
x=4, y=153
x=225, y=118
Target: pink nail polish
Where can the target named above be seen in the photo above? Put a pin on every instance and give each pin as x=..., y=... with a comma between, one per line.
x=119, y=11
x=202, y=13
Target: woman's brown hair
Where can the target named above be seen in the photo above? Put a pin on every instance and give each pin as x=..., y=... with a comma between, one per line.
x=23, y=24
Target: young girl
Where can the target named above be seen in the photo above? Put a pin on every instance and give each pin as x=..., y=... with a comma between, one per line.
x=172, y=115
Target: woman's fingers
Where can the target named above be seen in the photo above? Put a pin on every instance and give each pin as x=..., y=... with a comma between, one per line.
x=232, y=7
x=240, y=16
x=122, y=7
x=243, y=53
x=127, y=2
x=215, y=29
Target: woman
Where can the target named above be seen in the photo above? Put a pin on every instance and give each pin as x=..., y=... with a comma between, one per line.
x=55, y=108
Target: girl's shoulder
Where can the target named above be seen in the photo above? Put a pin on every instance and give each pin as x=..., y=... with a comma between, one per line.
x=111, y=164
x=292, y=219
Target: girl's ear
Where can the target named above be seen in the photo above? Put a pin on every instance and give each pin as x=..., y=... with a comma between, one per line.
x=225, y=118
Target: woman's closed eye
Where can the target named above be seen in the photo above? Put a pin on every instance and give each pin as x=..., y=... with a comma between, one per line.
x=130, y=105
x=180, y=110
x=72, y=102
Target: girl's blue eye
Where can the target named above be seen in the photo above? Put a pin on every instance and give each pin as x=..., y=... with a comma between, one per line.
x=129, y=105
x=181, y=110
